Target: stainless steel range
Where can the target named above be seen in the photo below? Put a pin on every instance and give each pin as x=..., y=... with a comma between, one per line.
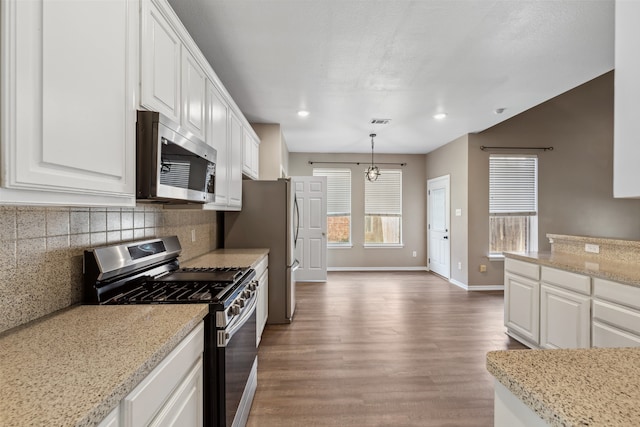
x=148, y=272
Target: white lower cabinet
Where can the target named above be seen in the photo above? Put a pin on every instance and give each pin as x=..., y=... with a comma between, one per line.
x=522, y=301
x=171, y=395
x=262, y=309
x=616, y=314
x=565, y=309
x=565, y=318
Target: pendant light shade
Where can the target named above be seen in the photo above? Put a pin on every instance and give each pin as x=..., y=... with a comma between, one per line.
x=372, y=171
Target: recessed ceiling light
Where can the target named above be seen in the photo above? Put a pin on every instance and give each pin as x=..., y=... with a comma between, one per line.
x=499, y=110
x=440, y=116
x=303, y=113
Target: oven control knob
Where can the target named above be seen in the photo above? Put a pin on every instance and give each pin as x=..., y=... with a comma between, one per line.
x=240, y=302
x=246, y=294
x=235, y=309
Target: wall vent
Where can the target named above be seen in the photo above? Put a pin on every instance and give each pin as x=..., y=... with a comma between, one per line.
x=380, y=121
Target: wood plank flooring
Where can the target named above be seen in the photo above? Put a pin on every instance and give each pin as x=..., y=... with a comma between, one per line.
x=381, y=349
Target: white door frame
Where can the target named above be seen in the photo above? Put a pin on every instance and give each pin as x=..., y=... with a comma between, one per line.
x=441, y=262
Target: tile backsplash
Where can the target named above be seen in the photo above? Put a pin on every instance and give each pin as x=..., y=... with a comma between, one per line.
x=41, y=249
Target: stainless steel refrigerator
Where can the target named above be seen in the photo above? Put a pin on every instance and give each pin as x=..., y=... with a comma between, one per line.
x=269, y=219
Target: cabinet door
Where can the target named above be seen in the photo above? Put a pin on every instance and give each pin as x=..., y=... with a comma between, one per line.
x=184, y=408
x=68, y=122
x=250, y=156
x=235, y=183
x=160, y=63
x=193, y=95
x=522, y=307
x=565, y=318
x=217, y=137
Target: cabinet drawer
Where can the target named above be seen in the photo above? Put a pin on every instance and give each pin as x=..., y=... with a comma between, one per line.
x=262, y=266
x=616, y=315
x=617, y=292
x=564, y=279
x=608, y=336
x=141, y=405
x=521, y=268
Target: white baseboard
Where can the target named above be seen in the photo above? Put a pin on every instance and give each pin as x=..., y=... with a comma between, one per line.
x=476, y=288
x=377, y=269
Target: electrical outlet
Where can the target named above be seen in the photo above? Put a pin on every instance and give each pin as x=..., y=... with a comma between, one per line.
x=459, y=265
x=193, y=235
x=594, y=249
x=415, y=254
x=483, y=268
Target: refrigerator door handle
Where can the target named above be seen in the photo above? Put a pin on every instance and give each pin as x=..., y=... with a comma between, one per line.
x=295, y=265
x=295, y=203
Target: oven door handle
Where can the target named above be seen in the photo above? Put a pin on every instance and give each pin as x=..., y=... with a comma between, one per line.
x=224, y=336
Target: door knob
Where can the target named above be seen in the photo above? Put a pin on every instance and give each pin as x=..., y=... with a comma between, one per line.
x=445, y=237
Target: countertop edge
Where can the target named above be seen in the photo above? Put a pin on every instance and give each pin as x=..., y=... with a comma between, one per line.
x=579, y=264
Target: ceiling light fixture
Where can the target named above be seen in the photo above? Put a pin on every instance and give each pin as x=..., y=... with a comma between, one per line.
x=303, y=113
x=372, y=173
x=440, y=116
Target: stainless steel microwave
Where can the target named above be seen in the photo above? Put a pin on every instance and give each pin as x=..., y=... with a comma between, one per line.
x=172, y=164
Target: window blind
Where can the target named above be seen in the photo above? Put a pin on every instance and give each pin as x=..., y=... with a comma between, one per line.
x=338, y=190
x=513, y=183
x=384, y=196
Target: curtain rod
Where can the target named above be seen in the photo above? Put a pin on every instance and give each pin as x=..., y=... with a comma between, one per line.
x=356, y=163
x=483, y=148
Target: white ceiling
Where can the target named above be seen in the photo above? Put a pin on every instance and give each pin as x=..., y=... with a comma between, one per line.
x=348, y=61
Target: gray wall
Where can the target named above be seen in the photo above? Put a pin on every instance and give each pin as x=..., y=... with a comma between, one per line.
x=413, y=210
x=575, y=194
x=452, y=159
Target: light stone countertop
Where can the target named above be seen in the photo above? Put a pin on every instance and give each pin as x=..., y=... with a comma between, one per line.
x=228, y=258
x=73, y=367
x=627, y=272
x=579, y=387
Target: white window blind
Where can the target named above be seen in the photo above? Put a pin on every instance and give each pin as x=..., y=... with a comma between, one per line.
x=384, y=196
x=338, y=190
x=513, y=182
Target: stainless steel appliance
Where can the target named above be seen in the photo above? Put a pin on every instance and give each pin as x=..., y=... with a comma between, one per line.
x=172, y=164
x=269, y=219
x=147, y=272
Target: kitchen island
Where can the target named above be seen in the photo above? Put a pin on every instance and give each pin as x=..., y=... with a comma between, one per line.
x=73, y=367
x=579, y=387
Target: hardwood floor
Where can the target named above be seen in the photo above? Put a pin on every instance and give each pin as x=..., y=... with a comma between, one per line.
x=381, y=349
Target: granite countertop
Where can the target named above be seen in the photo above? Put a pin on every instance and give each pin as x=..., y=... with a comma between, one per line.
x=228, y=258
x=579, y=387
x=627, y=272
x=73, y=367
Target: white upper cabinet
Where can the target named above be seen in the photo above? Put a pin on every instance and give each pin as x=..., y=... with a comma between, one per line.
x=626, y=174
x=251, y=154
x=160, y=63
x=193, y=95
x=235, y=185
x=217, y=137
x=68, y=102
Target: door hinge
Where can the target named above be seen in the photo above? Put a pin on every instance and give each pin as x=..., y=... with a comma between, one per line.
x=428, y=226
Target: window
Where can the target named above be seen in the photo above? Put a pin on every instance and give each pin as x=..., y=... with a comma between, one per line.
x=338, y=205
x=383, y=209
x=513, y=204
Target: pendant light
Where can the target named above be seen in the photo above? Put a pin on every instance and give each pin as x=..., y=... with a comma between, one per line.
x=372, y=171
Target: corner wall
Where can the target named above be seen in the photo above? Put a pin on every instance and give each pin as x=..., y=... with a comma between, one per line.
x=452, y=159
x=575, y=180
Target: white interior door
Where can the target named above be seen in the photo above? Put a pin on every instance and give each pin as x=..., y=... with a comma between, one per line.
x=311, y=247
x=438, y=226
